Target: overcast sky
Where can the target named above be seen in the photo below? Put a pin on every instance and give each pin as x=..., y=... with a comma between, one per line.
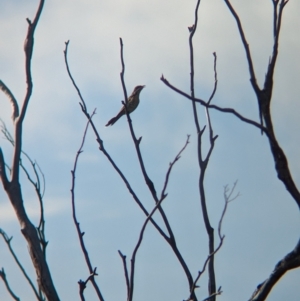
x=261, y=226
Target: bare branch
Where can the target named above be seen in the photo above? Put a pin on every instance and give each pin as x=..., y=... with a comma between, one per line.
x=12, y=294
x=82, y=284
x=225, y=110
x=36, y=184
x=192, y=30
x=28, y=48
x=122, y=73
x=275, y=16
x=3, y=175
x=132, y=271
x=245, y=44
x=77, y=225
x=212, y=296
x=82, y=104
x=13, y=101
x=289, y=262
x=103, y=150
x=8, y=243
x=163, y=192
x=211, y=135
x=142, y=165
x=13, y=188
x=125, y=272
x=135, y=140
x=203, y=162
x=171, y=239
x=227, y=198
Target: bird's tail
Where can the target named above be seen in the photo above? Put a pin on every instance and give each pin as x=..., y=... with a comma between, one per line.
x=112, y=121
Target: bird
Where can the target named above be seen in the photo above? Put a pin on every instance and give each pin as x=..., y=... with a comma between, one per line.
x=133, y=102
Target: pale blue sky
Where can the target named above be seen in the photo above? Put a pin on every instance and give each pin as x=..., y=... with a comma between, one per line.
x=261, y=226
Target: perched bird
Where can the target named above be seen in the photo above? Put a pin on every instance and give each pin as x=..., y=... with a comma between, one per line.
x=133, y=102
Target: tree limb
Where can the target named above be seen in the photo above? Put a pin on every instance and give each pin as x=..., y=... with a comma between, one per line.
x=13, y=101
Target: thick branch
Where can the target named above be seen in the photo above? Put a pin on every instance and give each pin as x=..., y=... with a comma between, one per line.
x=28, y=48
x=281, y=163
x=289, y=262
x=13, y=188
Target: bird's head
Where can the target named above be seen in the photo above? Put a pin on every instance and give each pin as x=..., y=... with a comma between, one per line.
x=137, y=90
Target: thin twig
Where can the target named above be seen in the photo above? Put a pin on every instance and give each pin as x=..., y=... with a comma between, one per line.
x=12, y=294
x=125, y=272
x=77, y=225
x=82, y=284
x=192, y=30
x=163, y=192
x=227, y=199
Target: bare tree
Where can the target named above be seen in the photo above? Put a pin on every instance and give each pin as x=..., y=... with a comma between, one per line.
x=35, y=236
x=11, y=184
x=264, y=97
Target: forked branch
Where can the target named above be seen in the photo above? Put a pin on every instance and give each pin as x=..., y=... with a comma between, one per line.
x=92, y=270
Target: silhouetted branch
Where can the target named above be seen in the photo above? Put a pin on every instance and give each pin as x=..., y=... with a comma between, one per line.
x=125, y=272
x=137, y=143
x=13, y=188
x=103, y=150
x=122, y=73
x=289, y=262
x=264, y=97
x=77, y=225
x=203, y=162
x=163, y=192
x=13, y=101
x=3, y=174
x=132, y=271
x=212, y=296
x=171, y=239
x=8, y=243
x=28, y=48
x=210, y=106
x=211, y=135
x=227, y=198
x=135, y=140
x=82, y=284
x=36, y=184
x=12, y=294
x=192, y=30
x=158, y=205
